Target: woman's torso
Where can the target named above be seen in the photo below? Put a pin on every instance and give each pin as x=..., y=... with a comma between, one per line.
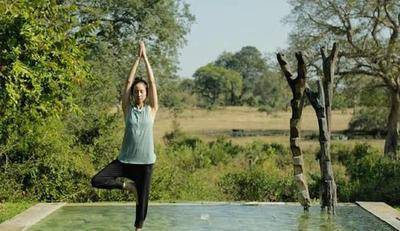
x=138, y=146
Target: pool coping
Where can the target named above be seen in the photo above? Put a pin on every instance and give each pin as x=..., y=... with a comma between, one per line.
x=39, y=211
x=31, y=216
x=383, y=211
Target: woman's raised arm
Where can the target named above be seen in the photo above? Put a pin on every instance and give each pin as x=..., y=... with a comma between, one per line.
x=152, y=94
x=126, y=93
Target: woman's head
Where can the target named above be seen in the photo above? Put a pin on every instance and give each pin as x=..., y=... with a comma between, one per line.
x=139, y=90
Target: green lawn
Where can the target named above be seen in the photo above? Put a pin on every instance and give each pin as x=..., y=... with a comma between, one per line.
x=10, y=209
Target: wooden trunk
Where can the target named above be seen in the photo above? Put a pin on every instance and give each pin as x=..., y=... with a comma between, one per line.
x=297, y=86
x=327, y=184
x=321, y=102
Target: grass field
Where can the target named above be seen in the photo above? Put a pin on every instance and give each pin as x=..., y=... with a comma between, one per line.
x=209, y=124
x=10, y=209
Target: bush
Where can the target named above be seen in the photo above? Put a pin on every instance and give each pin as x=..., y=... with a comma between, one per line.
x=376, y=178
x=256, y=184
x=370, y=175
x=370, y=120
x=173, y=182
x=48, y=165
x=341, y=179
x=45, y=165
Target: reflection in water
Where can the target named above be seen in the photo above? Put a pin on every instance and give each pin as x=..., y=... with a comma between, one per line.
x=327, y=222
x=323, y=222
x=303, y=221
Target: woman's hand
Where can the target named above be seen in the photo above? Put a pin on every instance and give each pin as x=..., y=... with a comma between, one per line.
x=142, y=49
x=140, y=52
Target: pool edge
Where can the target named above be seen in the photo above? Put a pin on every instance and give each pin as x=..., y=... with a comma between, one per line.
x=31, y=216
x=383, y=211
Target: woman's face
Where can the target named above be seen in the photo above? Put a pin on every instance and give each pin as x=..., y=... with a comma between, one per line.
x=139, y=93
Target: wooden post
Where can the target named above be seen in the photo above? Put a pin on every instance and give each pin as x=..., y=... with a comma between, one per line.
x=327, y=185
x=328, y=65
x=321, y=102
x=297, y=86
x=329, y=195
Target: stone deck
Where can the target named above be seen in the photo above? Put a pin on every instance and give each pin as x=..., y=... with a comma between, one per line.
x=383, y=212
x=30, y=216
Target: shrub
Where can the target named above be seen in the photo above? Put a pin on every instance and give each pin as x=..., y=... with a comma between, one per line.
x=370, y=120
x=256, y=184
x=371, y=176
x=43, y=166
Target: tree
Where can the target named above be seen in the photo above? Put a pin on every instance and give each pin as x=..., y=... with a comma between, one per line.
x=119, y=25
x=42, y=69
x=368, y=32
x=369, y=116
x=297, y=85
x=217, y=84
x=270, y=91
x=321, y=101
x=249, y=63
x=42, y=64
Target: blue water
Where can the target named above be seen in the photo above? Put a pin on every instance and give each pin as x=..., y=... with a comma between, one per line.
x=211, y=217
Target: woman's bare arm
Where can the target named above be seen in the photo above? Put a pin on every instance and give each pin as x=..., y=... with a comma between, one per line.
x=126, y=93
x=152, y=94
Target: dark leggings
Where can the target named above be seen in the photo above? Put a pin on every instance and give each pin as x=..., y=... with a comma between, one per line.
x=139, y=173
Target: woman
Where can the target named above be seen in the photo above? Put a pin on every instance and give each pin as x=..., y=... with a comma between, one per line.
x=136, y=158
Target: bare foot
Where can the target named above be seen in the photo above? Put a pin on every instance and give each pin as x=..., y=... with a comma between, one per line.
x=130, y=187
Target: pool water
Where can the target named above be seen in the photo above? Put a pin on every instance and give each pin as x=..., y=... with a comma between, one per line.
x=211, y=217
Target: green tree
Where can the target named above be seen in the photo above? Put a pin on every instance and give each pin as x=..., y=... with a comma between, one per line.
x=251, y=65
x=217, y=85
x=41, y=61
x=262, y=84
x=117, y=27
x=368, y=33
x=370, y=113
x=271, y=91
x=42, y=68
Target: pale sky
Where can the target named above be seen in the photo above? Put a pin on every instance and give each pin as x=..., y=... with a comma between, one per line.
x=228, y=25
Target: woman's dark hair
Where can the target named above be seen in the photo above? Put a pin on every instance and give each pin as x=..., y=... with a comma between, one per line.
x=139, y=80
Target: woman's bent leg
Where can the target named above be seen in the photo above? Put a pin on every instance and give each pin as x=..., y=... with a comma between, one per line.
x=106, y=178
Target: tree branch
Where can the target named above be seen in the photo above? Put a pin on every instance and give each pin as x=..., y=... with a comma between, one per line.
x=392, y=21
x=301, y=66
x=284, y=67
x=346, y=23
x=334, y=29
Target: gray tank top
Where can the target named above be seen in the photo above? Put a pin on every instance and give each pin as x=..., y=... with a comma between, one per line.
x=137, y=145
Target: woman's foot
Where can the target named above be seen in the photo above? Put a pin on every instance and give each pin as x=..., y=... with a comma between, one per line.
x=130, y=186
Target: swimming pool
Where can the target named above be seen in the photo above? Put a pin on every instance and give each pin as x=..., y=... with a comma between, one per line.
x=211, y=217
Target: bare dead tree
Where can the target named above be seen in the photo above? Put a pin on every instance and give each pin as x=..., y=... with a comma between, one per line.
x=321, y=102
x=328, y=196
x=297, y=85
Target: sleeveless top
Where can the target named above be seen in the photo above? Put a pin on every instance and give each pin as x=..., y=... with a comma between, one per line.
x=138, y=145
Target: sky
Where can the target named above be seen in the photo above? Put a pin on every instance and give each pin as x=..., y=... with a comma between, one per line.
x=229, y=25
